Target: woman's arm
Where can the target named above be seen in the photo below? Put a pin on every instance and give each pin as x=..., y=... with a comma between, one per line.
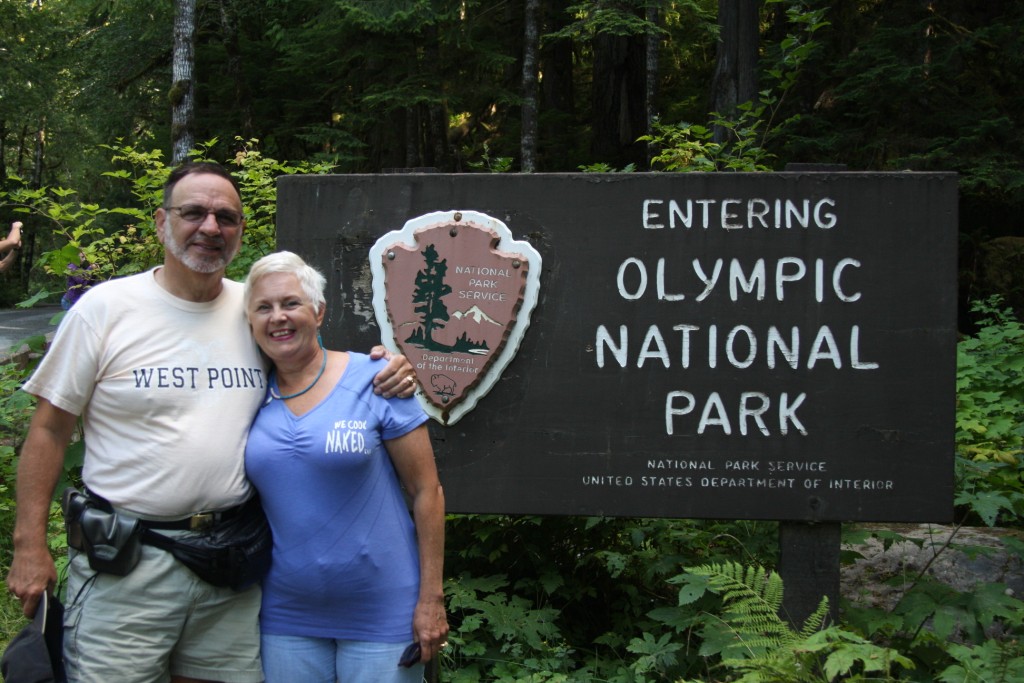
x=413, y=458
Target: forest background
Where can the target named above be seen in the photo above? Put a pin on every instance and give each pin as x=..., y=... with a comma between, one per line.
x=98, y=97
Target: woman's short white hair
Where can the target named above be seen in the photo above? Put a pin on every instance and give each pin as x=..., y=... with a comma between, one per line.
x=310, y=279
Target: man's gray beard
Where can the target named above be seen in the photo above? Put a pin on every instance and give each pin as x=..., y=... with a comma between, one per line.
x=195, y=264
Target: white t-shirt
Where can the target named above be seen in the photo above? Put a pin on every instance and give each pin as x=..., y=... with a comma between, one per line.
x=167, y=390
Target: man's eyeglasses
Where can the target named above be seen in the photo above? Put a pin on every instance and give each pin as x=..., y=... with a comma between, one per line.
x=195, y=214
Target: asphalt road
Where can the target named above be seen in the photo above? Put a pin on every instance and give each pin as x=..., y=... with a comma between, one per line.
x=17, y=324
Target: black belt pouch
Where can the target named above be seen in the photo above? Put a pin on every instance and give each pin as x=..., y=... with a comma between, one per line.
x=111, y=540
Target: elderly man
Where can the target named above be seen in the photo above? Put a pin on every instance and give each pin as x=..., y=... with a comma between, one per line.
x=163, y=370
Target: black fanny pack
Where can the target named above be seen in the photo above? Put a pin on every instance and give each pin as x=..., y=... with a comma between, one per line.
x=233, y=550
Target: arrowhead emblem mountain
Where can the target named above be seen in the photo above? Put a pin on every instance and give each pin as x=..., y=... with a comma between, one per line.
x=476, y=315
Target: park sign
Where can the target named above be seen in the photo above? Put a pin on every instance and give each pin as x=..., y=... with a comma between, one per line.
x=741, y=346
x=454, y=291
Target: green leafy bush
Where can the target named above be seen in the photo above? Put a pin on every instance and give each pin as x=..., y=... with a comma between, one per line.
x=121, y=239
x=990, y=416
x=15, y=411
x=990, y=386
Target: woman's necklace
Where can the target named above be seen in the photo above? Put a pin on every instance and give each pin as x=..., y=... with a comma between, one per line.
x=274, y=394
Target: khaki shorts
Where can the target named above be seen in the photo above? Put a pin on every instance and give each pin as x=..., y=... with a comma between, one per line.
x=159, y=620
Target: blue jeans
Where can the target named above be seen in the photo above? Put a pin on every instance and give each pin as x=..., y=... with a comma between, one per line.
x=287, y=659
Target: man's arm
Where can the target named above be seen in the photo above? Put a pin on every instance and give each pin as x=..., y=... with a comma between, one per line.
x=397, y=378
x=39, y=467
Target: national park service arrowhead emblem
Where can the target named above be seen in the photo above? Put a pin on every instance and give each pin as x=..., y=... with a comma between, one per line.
x=454, y=292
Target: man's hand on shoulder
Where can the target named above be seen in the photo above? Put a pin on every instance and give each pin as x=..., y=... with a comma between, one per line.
x=397, y=378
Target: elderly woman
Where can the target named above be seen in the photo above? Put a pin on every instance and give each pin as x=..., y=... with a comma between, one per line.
x=355, y=581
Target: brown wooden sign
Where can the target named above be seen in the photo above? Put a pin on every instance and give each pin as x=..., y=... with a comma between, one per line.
x=760, y=346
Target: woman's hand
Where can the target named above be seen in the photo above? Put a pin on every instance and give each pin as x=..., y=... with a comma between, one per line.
x=430, y=626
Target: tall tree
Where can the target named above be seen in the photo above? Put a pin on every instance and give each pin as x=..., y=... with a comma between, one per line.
x=651, y=75
x=617, y=116
x=233, y=67
x=25, y=89
x=436, y=134
x=557, y=111
x=528, y=124
x=735, y=79
x=182, y=93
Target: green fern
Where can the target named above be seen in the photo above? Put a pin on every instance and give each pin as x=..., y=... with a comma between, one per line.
x=990, y=662
x=756, y=643
x=752, y=597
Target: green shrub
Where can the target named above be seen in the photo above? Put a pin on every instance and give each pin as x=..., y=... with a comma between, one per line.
x=990, y=417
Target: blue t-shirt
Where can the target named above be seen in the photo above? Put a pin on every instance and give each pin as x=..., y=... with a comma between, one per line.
x=345, y=563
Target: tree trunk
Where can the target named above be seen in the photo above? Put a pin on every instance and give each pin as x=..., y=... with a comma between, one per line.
x=438, y=119
x=233, y=67
x=38, y=152
x=556, y=89
x=3, y=152
x=435, y=147
x=23, y=150
x=28, y=238
x=182, y=93
x=618, y=99
x=528, y=130
x=651, y=77
x=735, y=79
x=412, y=137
